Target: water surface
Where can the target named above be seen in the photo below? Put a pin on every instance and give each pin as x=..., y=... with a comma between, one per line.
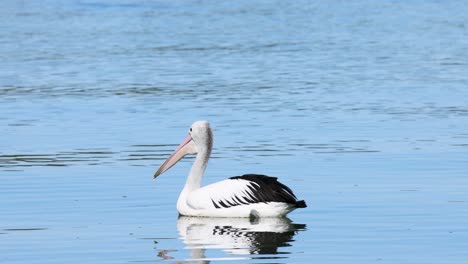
x=359, y=107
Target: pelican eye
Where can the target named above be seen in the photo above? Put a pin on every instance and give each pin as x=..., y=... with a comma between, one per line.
x=190, y=129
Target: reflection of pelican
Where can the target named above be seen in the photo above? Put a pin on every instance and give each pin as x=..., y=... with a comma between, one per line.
x=240, y=196
x=236, y=236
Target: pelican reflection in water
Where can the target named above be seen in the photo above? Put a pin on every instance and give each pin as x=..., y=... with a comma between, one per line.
x=240, y=238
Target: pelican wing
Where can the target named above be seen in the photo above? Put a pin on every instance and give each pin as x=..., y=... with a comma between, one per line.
x=243, y=190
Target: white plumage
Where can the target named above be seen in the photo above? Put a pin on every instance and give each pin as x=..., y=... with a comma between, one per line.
x=205, y=202
x=240, y=196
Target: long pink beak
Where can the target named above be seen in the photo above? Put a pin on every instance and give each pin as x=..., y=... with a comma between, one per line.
x=186, y=147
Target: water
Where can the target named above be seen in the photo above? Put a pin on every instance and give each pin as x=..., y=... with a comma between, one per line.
x=359, y=107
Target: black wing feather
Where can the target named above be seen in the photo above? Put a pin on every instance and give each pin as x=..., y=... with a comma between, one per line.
x=263, y=189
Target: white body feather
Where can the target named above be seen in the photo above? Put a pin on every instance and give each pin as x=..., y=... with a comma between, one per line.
x=199, y=202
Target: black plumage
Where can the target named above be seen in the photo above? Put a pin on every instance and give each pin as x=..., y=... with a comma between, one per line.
x=261, y=189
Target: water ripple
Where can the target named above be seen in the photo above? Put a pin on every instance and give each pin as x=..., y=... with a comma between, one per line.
x=133, y=154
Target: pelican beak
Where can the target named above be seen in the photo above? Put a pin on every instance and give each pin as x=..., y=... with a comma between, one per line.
x=186, y=147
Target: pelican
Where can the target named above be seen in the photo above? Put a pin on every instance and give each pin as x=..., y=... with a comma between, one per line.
x=249, y=195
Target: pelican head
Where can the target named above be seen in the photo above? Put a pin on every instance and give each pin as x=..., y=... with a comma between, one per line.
x=198, y=140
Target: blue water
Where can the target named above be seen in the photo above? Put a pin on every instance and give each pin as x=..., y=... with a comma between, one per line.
x=359, y=106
